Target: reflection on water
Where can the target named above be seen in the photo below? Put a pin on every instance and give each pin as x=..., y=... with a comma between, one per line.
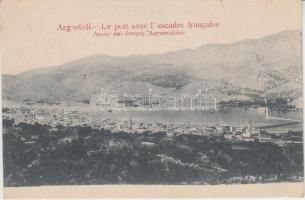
x=231, y=116
x=234, y=116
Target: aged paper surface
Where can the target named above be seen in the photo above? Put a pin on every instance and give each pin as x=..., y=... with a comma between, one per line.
x=129, y=99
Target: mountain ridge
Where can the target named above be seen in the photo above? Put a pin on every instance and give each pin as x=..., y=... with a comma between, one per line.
x=254, y=64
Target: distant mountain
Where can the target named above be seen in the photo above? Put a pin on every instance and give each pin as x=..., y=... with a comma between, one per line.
x=254, y=66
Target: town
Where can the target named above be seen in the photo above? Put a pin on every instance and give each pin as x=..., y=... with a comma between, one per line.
x=55, y=117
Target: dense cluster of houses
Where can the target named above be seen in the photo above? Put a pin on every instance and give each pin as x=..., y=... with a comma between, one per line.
x=59, y=117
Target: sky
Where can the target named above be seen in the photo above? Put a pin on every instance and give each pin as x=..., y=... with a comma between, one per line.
x=30, y=39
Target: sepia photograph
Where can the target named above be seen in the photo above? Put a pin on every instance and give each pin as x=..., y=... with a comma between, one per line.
x=187, y=96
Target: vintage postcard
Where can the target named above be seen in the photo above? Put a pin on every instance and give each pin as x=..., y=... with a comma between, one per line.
x=152, y=99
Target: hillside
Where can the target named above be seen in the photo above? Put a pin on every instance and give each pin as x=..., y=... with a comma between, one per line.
x=256, y=65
